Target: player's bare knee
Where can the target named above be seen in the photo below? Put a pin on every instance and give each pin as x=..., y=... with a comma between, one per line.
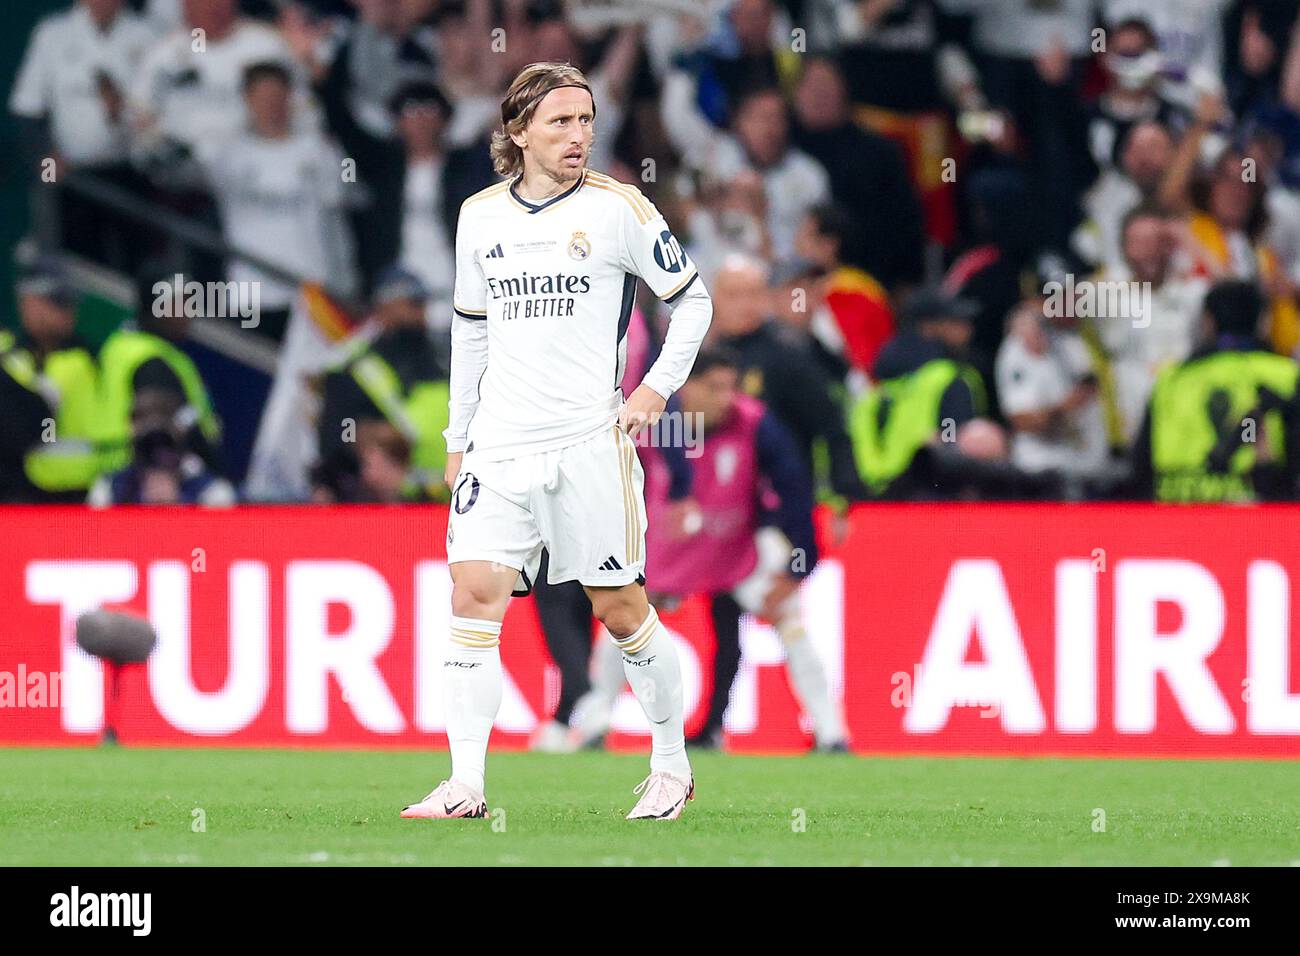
x=467, y=601
x=621, y=622
x=477, y=593
x=621, y=612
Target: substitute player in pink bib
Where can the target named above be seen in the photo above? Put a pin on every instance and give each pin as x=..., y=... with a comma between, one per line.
x=731, y=518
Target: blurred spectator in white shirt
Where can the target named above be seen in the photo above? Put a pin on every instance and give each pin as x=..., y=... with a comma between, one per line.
x=1189, y=32
x=793, y=181
x=164, y=16
x=471, y=78
x=1147, y=310
x=391, y=43
x=1143, y=155
x=1025, y=30
x=1048, y=390
x=77, y=65
x=1135, y=92
x=280, y=195
x=727, y=218
x=189, y=86
x=69, y=101
x=1282, y=199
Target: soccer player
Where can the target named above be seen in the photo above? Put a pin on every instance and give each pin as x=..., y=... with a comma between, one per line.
x=540, y=440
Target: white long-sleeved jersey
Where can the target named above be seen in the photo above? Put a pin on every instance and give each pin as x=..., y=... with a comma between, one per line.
x=543, y=297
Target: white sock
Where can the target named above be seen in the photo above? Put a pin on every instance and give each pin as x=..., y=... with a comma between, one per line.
x=808, y=679
x=471, y=690
x=650, y=665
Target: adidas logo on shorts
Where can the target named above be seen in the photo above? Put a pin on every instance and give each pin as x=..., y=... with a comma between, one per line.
x=611, y=565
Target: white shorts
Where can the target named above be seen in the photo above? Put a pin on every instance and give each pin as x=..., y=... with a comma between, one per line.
x=585, y=504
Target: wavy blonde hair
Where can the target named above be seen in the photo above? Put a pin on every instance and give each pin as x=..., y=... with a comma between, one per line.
x=522, y=98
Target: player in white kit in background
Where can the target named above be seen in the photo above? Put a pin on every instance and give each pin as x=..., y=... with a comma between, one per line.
x=539, y=446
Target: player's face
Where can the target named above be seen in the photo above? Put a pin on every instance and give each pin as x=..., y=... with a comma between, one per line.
x=558, y=138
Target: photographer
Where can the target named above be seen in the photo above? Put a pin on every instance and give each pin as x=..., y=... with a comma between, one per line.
x=164, y=470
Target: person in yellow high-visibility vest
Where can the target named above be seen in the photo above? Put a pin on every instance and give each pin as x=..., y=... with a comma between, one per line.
x=47, y=395
x=1223, y=425
x=391, y=373
x=920, y=430
x=147, y=354
x=26, y=415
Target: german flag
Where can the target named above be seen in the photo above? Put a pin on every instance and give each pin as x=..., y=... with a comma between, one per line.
x=334, y=321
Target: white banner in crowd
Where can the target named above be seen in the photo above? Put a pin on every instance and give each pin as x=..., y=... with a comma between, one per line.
x=598, y=14
x=286, y=445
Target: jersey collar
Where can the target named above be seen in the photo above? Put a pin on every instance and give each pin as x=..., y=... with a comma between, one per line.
x=533, y=207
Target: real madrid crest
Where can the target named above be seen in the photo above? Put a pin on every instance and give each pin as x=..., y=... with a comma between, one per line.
x=579, y=247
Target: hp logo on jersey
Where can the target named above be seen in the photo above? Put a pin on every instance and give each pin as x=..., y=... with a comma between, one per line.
x=668, y=253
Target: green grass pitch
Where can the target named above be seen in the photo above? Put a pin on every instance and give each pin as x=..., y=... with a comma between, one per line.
x=277, y=807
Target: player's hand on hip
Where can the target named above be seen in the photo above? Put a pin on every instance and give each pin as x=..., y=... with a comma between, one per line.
x=642, y=409
x=453, y=468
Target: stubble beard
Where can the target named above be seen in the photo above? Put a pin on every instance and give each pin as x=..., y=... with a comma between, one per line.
x=562, y=172
x=567, y=174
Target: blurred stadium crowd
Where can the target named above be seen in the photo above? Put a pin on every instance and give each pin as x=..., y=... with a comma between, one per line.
x=961, y=248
